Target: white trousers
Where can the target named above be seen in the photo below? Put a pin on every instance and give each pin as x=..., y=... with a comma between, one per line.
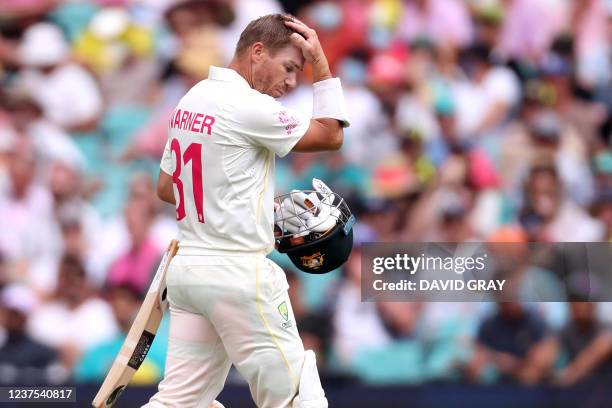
x=229, y=310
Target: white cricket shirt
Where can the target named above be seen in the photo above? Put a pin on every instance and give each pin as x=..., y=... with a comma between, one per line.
x=222, y=139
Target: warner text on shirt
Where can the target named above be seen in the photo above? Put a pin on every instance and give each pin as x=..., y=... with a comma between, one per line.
x=192, y=121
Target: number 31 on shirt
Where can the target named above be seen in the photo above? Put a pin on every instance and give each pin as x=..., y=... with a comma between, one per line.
x=192, y=154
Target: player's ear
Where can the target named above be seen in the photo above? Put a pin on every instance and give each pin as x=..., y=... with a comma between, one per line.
x=257, y=51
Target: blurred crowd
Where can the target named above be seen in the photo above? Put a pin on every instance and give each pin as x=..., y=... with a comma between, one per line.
x=471, y=120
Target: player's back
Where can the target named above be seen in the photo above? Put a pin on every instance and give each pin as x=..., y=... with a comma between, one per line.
x=222, y=140
x=219, y=178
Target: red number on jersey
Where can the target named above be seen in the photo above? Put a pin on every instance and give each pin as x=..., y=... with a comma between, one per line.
x=175, y=147
x=193, y=154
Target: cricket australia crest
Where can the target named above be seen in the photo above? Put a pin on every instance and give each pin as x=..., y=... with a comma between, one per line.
x=283, y=310
x=314, y=261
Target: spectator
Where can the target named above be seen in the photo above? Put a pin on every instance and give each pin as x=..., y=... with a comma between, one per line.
x=51, y=142
x=446, y=22
x=315, y=328
x=14, y=9
x=116, y=240
x=545, y=133
x=74, y=228
x=25, y=209
x=401, y=359
x=455, y=225
x=528, y=29
x=512, y=260
x=137, y=266
x=370, y=138
x=400, y=319
x=92, y=367
x=341, y=26
x=587, y=21
x=448, y=140
x=547, y=214
x=484, y=102
x=234, y=16
x=43, y=272
x=583, y=116
x=118, y=50
x=22, y=359
x=316, y=332
x=586, y=346
x=350, y=312
x=4, y=275
x=66, y=184
x=74, y=319
x=602, y=167
x=603, y=212
x=198, y=28
x=507, y=345
x=67, y=93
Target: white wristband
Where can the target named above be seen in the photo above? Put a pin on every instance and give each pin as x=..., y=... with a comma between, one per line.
x=328, y=101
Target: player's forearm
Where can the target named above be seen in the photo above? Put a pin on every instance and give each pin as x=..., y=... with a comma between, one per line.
x=165, y=192
x=320, y=69
x=322, y=135
x=335, y=133
x=168, y=198
x=329, y=104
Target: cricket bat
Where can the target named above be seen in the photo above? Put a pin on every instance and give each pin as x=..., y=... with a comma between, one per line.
x=139, y=338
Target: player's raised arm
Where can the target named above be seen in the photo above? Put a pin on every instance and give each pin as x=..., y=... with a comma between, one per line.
x=329, y=115
x=269, y=54
x=322, y=135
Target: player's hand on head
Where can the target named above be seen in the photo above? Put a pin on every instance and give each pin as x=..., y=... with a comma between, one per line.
x=306, y=38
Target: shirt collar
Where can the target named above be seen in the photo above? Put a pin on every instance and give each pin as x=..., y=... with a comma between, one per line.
x=225, y=74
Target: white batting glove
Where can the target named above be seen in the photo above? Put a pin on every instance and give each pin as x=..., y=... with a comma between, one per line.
x=302, y=213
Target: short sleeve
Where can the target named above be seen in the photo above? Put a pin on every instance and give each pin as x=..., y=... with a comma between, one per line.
x=166, y=160
x=263, y=121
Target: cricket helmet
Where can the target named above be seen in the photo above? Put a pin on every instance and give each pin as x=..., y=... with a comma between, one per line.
x=314, y=228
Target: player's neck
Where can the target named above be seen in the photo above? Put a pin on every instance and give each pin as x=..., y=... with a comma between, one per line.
x=242, y=69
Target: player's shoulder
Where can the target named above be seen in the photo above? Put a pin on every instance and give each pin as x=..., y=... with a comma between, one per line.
x=243, y=93
x=200, y=87
x=249, y=101
x=202, y=93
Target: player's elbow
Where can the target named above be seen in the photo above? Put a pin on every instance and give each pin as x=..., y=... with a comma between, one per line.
x=160, y=192
x=337, y=140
